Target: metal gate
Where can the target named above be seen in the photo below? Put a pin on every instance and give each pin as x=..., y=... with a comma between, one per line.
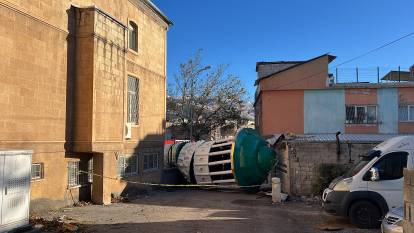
x=15, y=167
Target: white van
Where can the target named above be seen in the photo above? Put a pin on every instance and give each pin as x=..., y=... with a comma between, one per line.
x=373, y=186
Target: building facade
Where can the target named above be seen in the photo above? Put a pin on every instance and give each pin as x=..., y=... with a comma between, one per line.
x=301, y=97
x=83, y=85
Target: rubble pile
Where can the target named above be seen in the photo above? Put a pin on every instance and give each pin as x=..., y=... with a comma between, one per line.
x=60, y=225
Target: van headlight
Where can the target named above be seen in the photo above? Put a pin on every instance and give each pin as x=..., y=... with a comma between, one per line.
x=343, y=185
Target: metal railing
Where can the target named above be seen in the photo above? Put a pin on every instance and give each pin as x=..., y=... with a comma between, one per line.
x=371, y=75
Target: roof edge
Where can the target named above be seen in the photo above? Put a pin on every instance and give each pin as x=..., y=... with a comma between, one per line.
x=157, y=10
x=330, y=57
x=275, y=62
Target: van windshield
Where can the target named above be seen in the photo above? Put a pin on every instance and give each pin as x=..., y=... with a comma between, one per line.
x=361, y=164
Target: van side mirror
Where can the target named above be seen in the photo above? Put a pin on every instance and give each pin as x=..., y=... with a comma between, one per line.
x=374, y=174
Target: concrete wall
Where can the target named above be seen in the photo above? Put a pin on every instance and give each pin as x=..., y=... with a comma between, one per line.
x=302, y=160
x=312, y=75
x=43, y=75
x=361, y=96
x=324, y=111
x=388, y=110
x=282, y=111
x=405, y=97
x=408, y=222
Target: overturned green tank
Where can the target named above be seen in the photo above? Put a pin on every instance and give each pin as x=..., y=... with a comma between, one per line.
x=245, y=160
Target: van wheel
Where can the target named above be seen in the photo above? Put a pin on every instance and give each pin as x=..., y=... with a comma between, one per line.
x=366, y=215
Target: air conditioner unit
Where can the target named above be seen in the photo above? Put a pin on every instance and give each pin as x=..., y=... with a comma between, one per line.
x=128, y=131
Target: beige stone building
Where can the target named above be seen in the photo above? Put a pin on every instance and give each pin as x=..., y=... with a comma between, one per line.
x=83, y=85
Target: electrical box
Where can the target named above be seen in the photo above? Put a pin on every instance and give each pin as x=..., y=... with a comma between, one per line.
x=128, y=131
x=15, y=173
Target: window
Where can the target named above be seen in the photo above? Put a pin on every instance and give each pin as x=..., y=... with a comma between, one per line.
x=150, y=161
x=73, y=174
x=127, y=166
x=37, y=171
x=133, y=36
x=133, y=100
x=361, y=114
x=406, y=113
x=391, y=166
x=80, y=173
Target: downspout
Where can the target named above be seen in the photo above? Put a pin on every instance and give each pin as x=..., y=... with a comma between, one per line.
x=338, y=144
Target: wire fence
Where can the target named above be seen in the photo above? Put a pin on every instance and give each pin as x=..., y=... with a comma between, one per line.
x=371, y=75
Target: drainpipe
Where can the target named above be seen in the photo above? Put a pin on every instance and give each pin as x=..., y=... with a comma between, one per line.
x=338, y=144
x=350, y=152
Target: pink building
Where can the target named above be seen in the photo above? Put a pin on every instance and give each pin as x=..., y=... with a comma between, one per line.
x=302, y=97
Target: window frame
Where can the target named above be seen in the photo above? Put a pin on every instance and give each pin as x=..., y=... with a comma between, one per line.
x=365, y=120
x=408, y=106
x=76, y=183
x=368, y=174
x=148, y=158
x=122, y=169
x=42, y=172
x=129, y=113
x=133, y=27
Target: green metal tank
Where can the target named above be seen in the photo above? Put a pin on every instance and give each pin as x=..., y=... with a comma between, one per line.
x=245, y=160
x=252, y=158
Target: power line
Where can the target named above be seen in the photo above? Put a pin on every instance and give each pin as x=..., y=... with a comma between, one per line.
x=352, y=59
x=374, y=50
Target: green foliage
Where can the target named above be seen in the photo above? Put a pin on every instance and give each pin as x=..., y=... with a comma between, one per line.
x=326, y=173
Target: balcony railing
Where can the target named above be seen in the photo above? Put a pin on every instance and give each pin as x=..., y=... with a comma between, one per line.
x=371, y=75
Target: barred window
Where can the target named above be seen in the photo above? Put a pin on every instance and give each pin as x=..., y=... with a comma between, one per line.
x=73, y=174
x=133, y=100
x=90, y=171
x=151, y=161
x=37, y=171
x=133, y=36
x=127, y=166
x=406, y=113
x=361, y=114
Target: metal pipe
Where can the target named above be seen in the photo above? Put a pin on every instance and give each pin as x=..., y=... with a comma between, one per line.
x=224, y=181
x=357, y=75
x=222, y=144
x=378, y=75
x=216, y=173
x=220, y=152
x=399, y=73
x=220, y=162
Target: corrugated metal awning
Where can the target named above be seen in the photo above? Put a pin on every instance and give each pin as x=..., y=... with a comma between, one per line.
x=374, y=138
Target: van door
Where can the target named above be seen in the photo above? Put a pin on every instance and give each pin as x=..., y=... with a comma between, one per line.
x=391, y=178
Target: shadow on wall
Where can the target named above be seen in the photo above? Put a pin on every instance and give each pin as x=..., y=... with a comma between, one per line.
x=152, y=145
x=70, y=80
x=150, y=152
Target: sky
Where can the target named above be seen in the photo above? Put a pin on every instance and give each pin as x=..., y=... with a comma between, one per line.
x=241, y=32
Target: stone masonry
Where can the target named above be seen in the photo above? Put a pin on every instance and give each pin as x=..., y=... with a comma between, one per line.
x=300, y=161
x=408, y=200
x=64, y=71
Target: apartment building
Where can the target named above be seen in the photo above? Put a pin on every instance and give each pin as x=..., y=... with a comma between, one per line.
x=83, y=85
x=302, y=97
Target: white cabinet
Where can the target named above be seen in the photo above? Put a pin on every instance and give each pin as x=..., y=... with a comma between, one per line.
x=15, y=172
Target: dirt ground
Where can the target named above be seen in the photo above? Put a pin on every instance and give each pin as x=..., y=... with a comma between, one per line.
x=197, y=211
